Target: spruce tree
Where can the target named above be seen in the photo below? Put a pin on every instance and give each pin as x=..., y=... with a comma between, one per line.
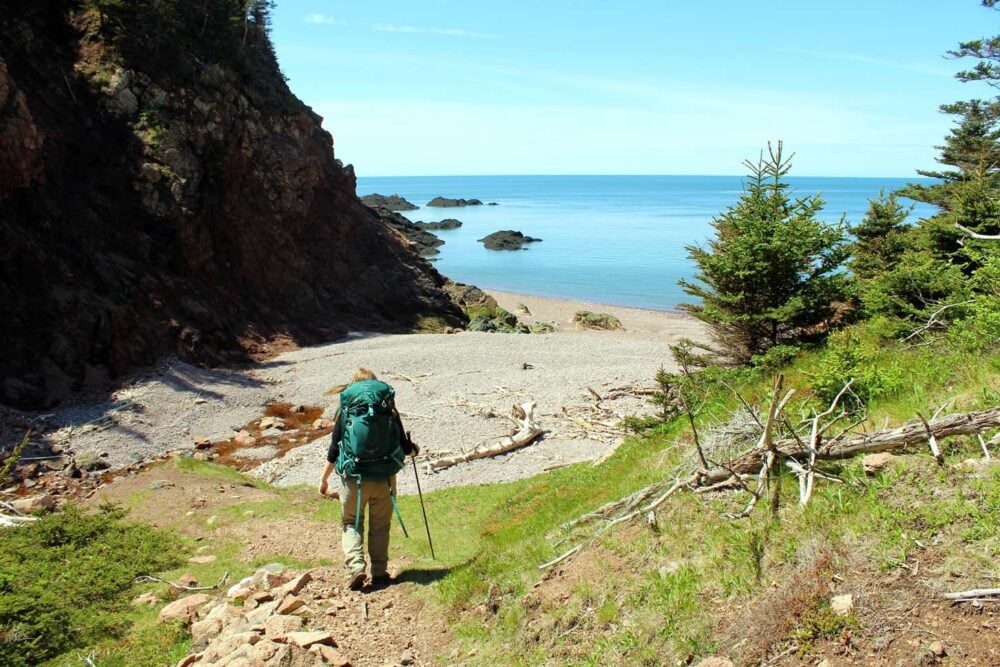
x=769, y=276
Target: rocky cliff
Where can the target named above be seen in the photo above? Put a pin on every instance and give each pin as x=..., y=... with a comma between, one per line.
x=162, y=192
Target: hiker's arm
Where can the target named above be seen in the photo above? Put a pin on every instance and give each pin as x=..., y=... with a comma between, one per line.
x=331, y=456
x=324, y=484
x=409, y=447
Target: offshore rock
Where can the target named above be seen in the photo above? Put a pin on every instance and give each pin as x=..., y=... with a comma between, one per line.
x=447, y=223
x=391, y=202
x=174, y=201
x=445, y=202
x=507, y=240
x=424, y=243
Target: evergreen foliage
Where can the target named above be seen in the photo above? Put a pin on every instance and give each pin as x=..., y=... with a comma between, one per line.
x=64, y=578
x=912, y=275
x=182, y=37
x=770, y=274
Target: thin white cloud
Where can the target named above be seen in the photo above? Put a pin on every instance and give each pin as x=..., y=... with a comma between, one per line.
x=869, y=60
x=323, y=19
x=450, y=32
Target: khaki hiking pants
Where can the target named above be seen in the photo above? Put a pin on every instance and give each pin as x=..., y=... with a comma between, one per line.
x=375, y=495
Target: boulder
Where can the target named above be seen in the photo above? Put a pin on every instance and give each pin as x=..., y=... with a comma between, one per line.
x=244, y=439
x=330, y=655
x=307, y=639
x=281, y=625
x=876, y=463
x=507, y=239
x=290, y=604
x=842, y=605
x=585, y=319
x=34, y=504
x=294, y=586
x=183, y=609
x=202, y=560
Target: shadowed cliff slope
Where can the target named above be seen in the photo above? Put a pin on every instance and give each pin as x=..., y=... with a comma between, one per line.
x=162, y=192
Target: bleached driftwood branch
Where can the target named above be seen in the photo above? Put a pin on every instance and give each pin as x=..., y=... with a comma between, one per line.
x=793, y=449
x=977, y=235
x=527, y=432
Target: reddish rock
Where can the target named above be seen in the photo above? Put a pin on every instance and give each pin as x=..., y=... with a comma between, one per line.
x=185, y=608
x=290, y=604
x=295, y=586
x=307, y=639
x=330, y=655
x=202, y=442
x=34, y=504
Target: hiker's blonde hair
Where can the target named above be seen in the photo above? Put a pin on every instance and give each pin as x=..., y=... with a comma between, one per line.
x=359, y=375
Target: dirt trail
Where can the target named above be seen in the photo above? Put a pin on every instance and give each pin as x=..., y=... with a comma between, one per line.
x=379, y=625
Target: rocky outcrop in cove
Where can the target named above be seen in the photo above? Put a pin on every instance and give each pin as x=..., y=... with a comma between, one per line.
x=391, y=202
x=446, y=224
x=507, y=240
x=174, y=198
x=445, y=202
x=425, y=243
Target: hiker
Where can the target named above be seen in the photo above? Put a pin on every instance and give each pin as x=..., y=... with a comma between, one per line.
x=367, y=449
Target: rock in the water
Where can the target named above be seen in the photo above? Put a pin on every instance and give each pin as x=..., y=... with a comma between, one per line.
x=447, y=223
x=507, y=239
x=391, y=202
x=446, y=202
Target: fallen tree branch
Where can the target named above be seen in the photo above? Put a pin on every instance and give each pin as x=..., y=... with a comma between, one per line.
x=146, y=578
x=973, y=593
x=525, y=435
x=561, y=558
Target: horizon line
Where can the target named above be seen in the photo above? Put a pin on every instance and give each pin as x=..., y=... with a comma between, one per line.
x=581, y=175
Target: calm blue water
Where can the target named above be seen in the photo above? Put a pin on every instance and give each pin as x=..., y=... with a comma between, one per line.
x=608, y=239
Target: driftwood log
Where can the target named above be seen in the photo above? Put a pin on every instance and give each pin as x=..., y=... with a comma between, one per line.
x=911, y=433
x=526, y=433
x=752, y=462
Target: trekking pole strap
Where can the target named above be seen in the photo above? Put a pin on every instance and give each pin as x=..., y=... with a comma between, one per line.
x=392, y=497
x=357, y=516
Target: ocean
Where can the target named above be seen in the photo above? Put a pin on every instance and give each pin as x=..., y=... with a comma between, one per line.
x=617, y=240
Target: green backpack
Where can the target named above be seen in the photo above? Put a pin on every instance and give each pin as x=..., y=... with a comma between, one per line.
x=369, y=446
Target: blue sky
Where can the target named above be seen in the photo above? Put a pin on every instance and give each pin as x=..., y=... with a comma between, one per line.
x=449, y=87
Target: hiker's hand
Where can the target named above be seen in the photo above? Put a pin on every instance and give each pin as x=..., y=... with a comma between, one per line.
x=415, y=449
x=323, y=487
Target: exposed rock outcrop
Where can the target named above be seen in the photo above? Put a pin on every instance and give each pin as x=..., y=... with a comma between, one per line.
x=447, y=223
x=391, y=202
x=425, y=243
x=507, y=240
x=173, y=198
x=445, y=202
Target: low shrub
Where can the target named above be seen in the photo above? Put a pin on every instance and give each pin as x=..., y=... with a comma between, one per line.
x=66, y=579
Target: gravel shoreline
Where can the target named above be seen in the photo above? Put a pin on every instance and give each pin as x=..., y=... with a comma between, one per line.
x=454, y=392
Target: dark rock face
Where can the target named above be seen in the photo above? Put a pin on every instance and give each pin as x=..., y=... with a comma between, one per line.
x=507, y=240
x=391, y=202
x=447, y=223
x=425, y=243
x=445, y=202
x=195, y=209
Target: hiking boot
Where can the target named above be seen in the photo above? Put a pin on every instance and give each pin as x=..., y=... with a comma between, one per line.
x=383, y=579
x=356, y=580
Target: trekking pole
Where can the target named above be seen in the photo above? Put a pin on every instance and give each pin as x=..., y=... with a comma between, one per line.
x=422, y=509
